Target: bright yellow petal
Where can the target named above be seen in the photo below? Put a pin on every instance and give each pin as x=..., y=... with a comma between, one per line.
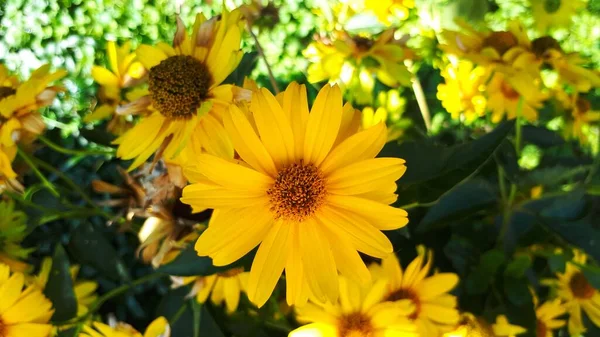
x=381, y=216
x=158, y=328
x=150, y=56
x=363, y=176
x=105, y=77
x=323, y=124
x=228, y=174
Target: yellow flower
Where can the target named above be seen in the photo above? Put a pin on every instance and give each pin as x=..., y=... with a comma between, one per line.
x=353, y=62
x=504, y=93
x=23, y=312
x=435, y=309
x=124, y=72
x=222, y=287
x=309, y=192
x=577, y=293
x=158, y=328
x=389, y=10
x=185, y=98
x=19, y=119
x=472, y=326
x=462, y=94
x=13, y=229
x=359, y=312
x=554, y=13
x=582, y=117
x=547, y=317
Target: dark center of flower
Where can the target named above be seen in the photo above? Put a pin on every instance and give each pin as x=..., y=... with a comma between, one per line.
x=479, y=327
x=362, y=43
x=508, y=91
x=3, y=332
x=179, y=85
x=580, y=286
x=355, y=324
x=543, y=44
x=501, y=41
x=231, y=272
x=541, y=329
x=551, y=6
x=6, y=91
x=406, y=294
x=583, y=105
x=298, y=192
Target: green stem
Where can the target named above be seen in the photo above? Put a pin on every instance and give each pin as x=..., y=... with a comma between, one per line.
x=518, y=131
x=61, y=149
x=29, y=161
x=178, y=314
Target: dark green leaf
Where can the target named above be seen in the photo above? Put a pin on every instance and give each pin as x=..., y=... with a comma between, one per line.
x=557, y=263
x=432, y=170
x=592, y=274
x=485, y=273
x=243, y=70
x=90, y=246
x=579, y=233
x=506, y=156
x=208, y=326
x=59, y=288
x=568, y=207
x=517, y=267
x=540, y=136
x=517, y=290
x=463, y=200
x=176, y=308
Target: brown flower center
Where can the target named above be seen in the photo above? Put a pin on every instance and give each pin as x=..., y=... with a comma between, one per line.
x=298, y=192
x=580, y=286
x=406, y=294
x=508, y=91
x=179, y=85
x=551, y=6
x=541, y=329
x=3, y=332
x=501, y=41
x=362, y=43
x=6, y=91
x=231, y=272
x=542, y=44
x=355, y=324
x=583, y=105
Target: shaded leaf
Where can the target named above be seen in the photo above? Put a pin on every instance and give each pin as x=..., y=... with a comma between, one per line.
x=541, y=136
x=485, y=273
x=517, y=267
x=247, y=64
x=59, y=288
x=557, y=263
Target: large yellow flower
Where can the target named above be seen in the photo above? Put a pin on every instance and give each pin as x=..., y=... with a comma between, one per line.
x=158, y=328
x=123, y=72
x=359, y=312
x=222, y=287
x=577, y=293
x=185, y=97
x=23, y=312
x=462, y=94
x=353, y=62
x=547, y=317
x=13, y=229
x=472, y=326
x=435, y=309
x=554, y=13
x=308, y=190
x=505, y=91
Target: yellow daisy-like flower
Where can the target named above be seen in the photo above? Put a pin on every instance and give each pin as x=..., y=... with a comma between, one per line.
x=554, y=13
x=13, y=229
x=582, y=117
x=504, y=93
x=547, y=317
x=435, y=309
x=222, y=287
x=353, y=62
x=123, y=72
x=472, y=326
x=388, y=11
x=577, y=293
x=307, y=189
x=23, y=312
x=462, y=94
x=359, y=312
x=185, y=97
x=158, y=328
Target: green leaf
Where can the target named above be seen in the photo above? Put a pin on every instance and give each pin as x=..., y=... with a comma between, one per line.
x=541, y=136
x=517, y=290
x=176, y=307
x=208, y=326
x=579, y=233
x=485, y=273
x=188, y=263
x=461, y=201
x=592, y=275
x=247, y=64
x=59, y=288
x=517, y=267
x=557, y=263
x=90, y=246
x=432, y=169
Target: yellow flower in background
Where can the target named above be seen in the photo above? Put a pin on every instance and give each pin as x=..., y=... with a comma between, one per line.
x=547, y=317
x=573, y=288
x=554, y=13
x=221, y=287
x=359, y=312
x=85, y=291
x=13, y=229
x=307, y=190
x=435, y=309
x=123, y=71
x=23, y=312
x=472, y=326
x=504, y=93
x=353, y=62
x=582, y=117
x=462, y=92
x=158, y=328
x=388, y=11
x=185, y=101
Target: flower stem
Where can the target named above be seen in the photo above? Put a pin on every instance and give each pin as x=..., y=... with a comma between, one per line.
x=262, y=54
x=421, y=99
x=29, y=161
x=61, y=149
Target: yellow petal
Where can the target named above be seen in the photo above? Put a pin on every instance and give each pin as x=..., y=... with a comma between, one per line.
x=323, y=124
x=362, y=176
x=381, y=216
x=105, y=77
x=437, y=285
x=150, y=56
x=295, y=106
x=158, y=328
x=231, y=175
